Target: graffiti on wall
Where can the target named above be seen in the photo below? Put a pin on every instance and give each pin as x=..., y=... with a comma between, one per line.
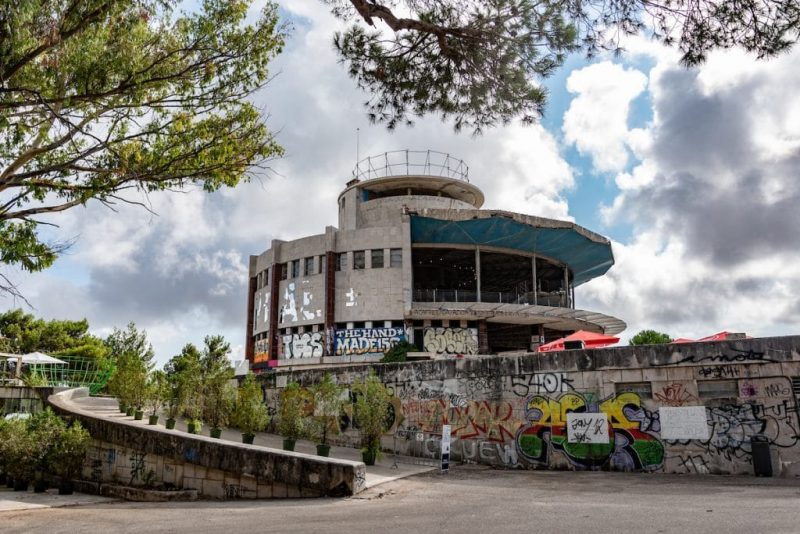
x=261, y=311
x=261, y=352
x=484, y=420
x=629, y=444
x=291, y=312
x=451, y=340
x=305, y=345
x=367, y=340
x=675, y=394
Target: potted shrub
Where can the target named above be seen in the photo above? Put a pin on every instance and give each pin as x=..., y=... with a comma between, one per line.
x=291, y=415
x=68, y=455
x=194, y=407
x=218, y=399
x=250, y=413
x=128, y=382
x=157, y=393
x=327, y=409
x=370, y=409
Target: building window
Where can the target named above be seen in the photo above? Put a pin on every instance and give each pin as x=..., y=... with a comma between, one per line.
x=396, y=257
x=284, y=270
x=341, y=261
x=295, y=268
x=377, y=258
x=322, y=263
x=308, y=267
x=359, y=259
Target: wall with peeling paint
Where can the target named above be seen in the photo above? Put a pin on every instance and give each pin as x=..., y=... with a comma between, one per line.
x=690, y=408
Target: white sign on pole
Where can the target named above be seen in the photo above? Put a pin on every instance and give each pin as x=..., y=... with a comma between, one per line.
x=683, y=422
x=445, y=447
x=587, y=428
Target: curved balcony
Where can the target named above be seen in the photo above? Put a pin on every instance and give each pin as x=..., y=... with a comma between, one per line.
x=557, y=299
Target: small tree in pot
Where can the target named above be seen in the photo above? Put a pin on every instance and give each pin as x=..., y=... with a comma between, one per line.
x=291, y=415
x=68, y=455
x=327, y=409
x=218, y=399
x=370, y=409
x=158, y=392
x=250, y=413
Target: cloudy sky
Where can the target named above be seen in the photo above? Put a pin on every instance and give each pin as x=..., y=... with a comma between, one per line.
x=693, y=174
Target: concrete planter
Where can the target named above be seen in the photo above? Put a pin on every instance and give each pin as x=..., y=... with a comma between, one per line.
x=288, y=444
x=248, y=438
x=138, y=415
x=323, y=449
x=152, y=420
x=170, y=423
x=216, y=433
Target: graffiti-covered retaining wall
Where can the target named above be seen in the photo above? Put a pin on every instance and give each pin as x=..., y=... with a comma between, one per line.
x=126, y=453
x=690, y=408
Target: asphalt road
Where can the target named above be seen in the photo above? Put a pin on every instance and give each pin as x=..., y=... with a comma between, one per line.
x=469, y=499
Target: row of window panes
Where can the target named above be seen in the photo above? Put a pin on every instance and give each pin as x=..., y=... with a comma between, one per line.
x=262, y=279
x=292, y=268
x=377, y=257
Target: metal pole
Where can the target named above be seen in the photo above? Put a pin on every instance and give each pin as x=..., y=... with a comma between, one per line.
x=478, y=270
x=566, y=285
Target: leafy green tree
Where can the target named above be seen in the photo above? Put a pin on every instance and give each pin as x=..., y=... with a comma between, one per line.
x=650, y=337
x=481, y=63
x=22, y=333
x=129, y=380
x=215, y=353
x=131, y=341
x=250, y=413
x=102, y=98
x=370, y=409
x=398, y=352
x=185, y=372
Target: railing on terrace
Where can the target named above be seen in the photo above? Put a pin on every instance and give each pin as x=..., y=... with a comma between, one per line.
x=411, y=163
x=556, y=300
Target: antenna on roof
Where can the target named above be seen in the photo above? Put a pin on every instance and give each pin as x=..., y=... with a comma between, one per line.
x=358, y=149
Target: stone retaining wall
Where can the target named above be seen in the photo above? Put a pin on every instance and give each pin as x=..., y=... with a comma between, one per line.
x=690, y=408
x=127, y=453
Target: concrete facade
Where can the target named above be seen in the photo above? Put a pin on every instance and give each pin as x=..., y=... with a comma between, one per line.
x=693, y=408
x=388, y=274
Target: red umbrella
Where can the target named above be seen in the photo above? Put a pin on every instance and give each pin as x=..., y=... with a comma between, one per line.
x=590, y=340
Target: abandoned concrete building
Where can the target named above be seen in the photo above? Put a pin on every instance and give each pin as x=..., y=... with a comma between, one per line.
x=415, y=259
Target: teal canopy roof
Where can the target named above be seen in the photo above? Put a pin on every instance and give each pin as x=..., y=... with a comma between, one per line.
x=586, y=257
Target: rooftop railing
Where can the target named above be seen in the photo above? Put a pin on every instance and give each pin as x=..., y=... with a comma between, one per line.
x=553, y=299
x=411, y=163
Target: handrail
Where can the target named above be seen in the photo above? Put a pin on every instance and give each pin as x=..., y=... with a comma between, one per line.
x=411, y=163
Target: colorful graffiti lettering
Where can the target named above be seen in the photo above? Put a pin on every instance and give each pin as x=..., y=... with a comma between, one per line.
x=367, y=340
x=629, y=445
x=306, y=345
x=486, y=420
x=451, y=340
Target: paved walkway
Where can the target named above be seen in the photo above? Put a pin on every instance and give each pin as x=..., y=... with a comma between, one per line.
x=11, y=500
x=384, y=470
